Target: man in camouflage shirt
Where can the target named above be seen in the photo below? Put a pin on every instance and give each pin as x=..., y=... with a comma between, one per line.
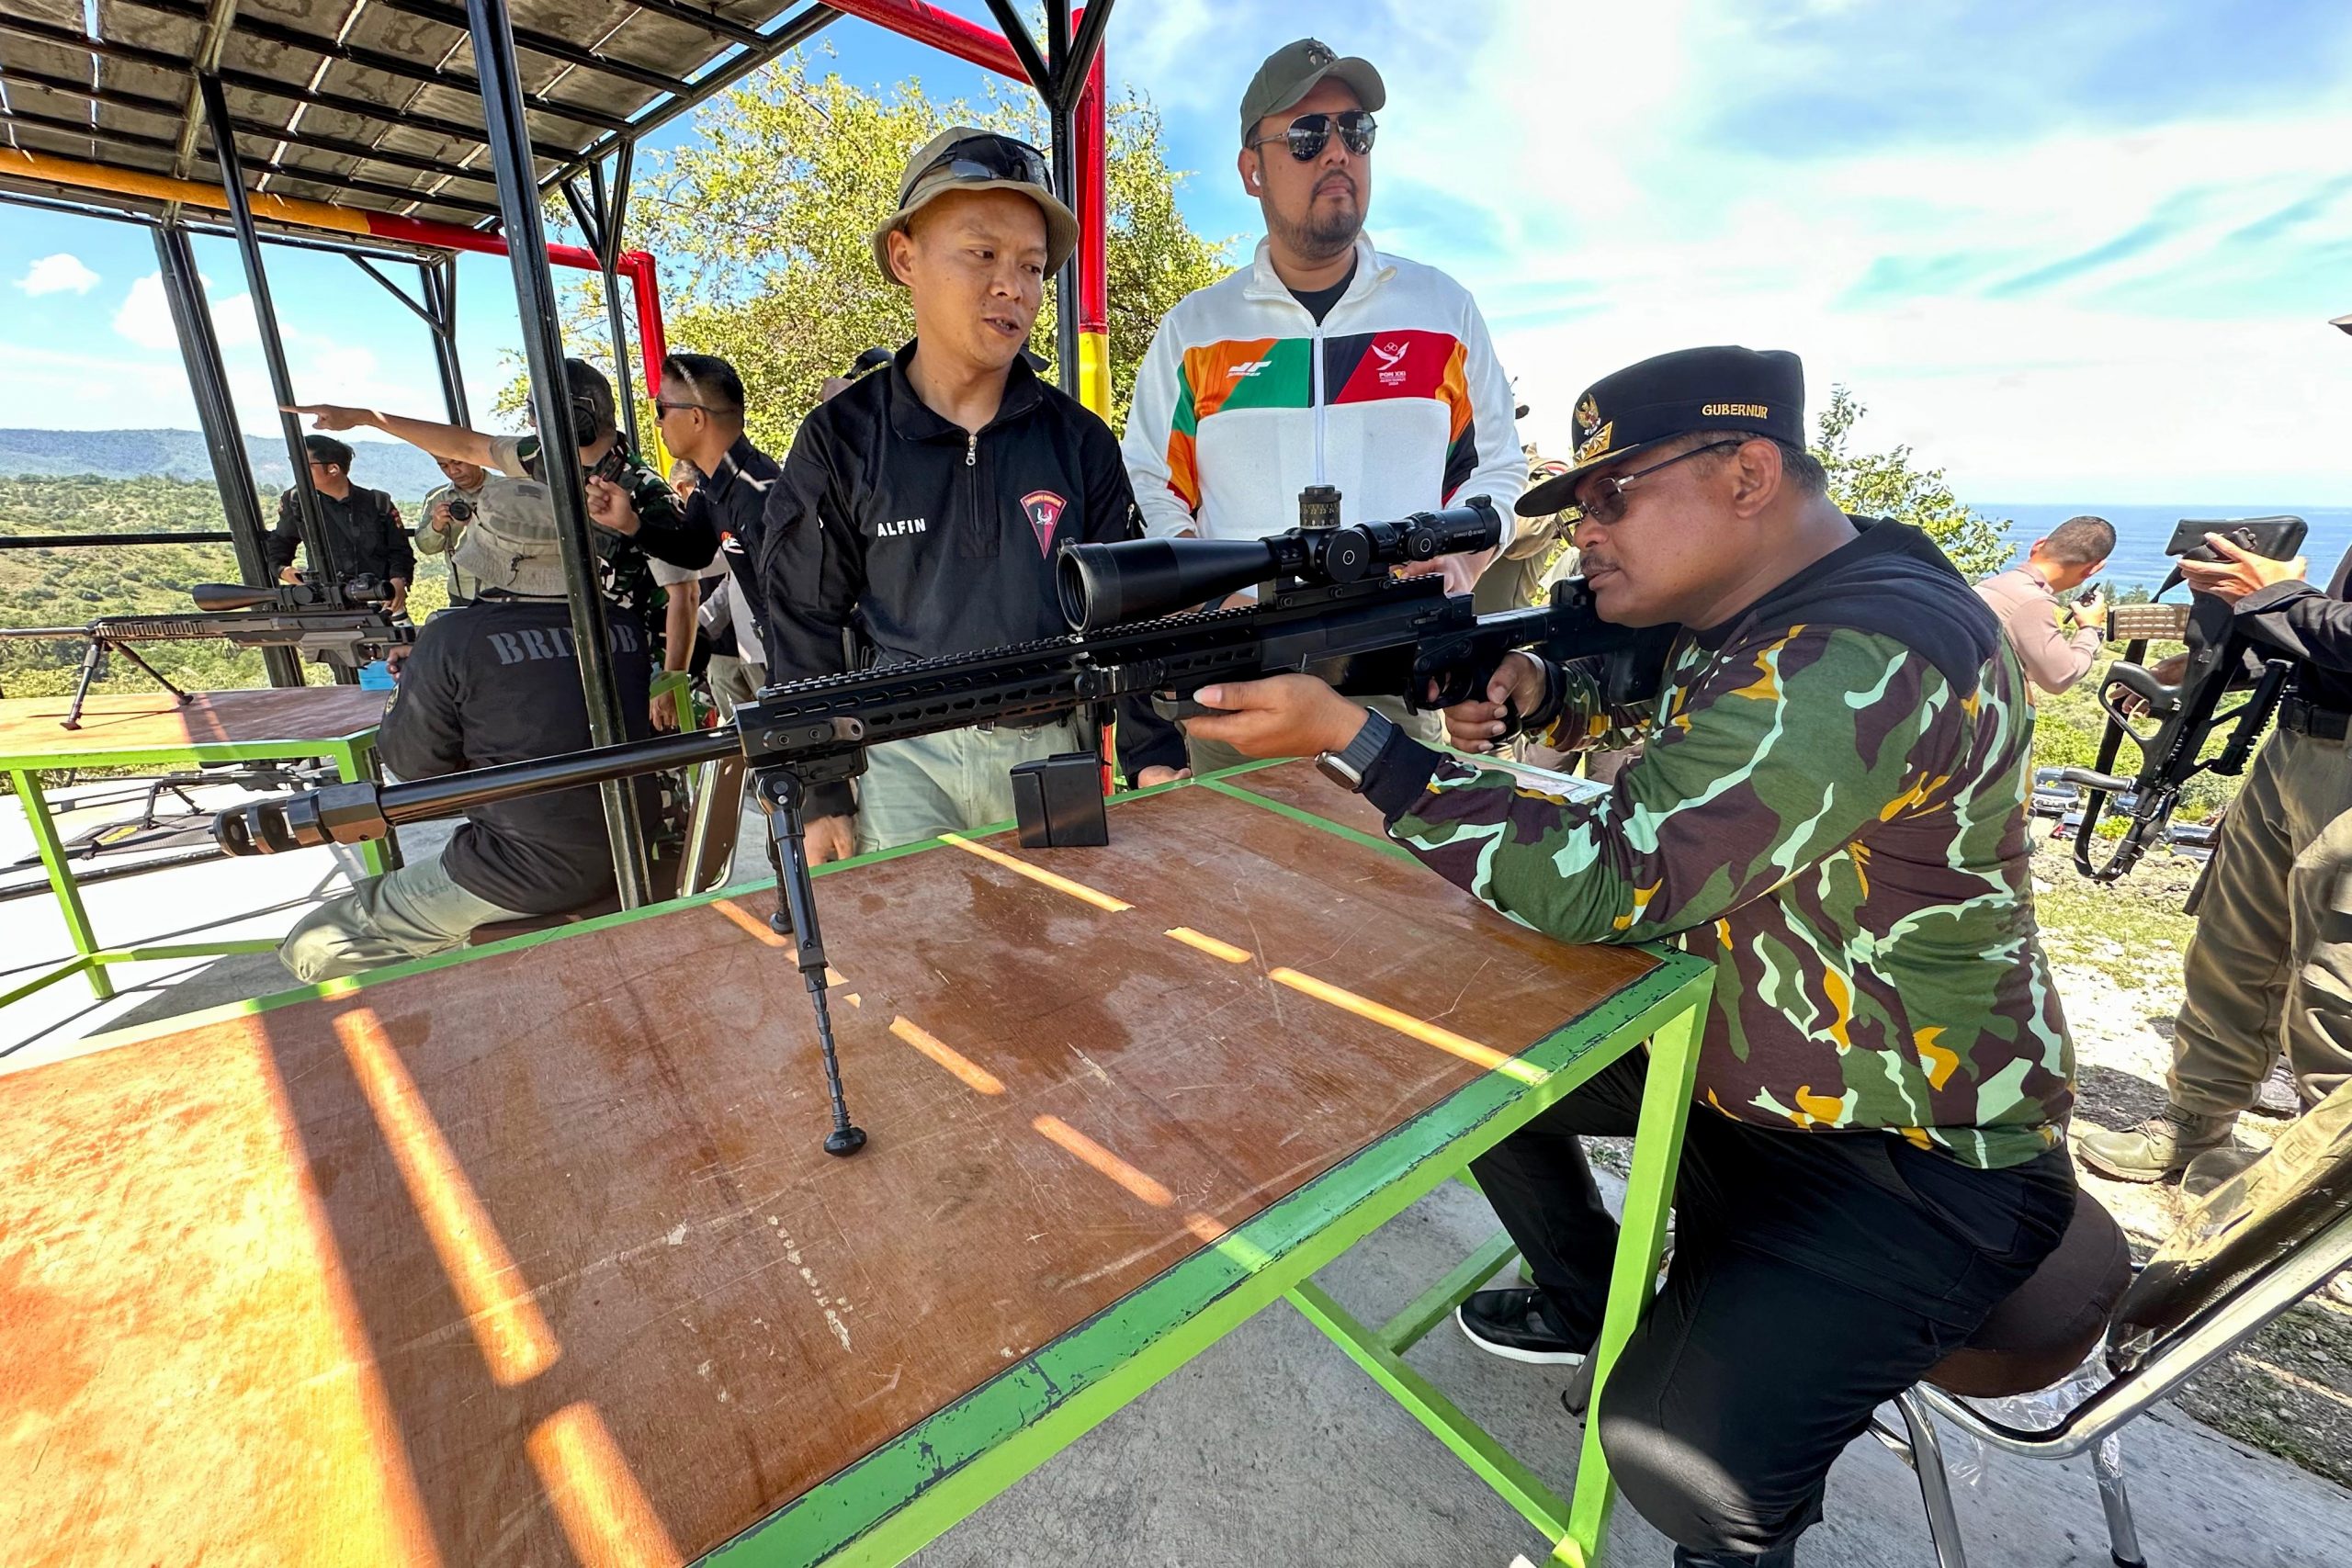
x=637, y=512
x=1830, y=805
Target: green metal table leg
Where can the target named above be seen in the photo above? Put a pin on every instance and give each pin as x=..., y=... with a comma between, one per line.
x=60, y=878
x=1513, y=1482
x=1649, y=1189
x=354, y=763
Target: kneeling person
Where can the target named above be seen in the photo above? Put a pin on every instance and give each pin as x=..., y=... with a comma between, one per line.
x=496, y=681
x=1830, y=807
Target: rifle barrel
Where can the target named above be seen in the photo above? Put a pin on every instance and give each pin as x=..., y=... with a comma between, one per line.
x=37, y=633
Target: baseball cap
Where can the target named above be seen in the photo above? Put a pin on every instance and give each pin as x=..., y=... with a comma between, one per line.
x=1290, y=73
x=511, y=544
x=964, y=157
x=1690, y=390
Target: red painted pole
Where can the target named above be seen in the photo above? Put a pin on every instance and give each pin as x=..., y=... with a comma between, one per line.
x=941, y=30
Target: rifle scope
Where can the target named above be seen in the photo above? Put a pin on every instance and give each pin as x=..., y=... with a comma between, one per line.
x=1138, y=580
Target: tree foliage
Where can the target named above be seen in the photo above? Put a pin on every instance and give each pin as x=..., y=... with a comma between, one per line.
x=1890, y=484
x=762, y=222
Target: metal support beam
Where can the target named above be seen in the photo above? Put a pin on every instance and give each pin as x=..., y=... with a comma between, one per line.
x=518, y=195
x=390, y=115
x=273, y=347
x=215, y=412
x=1034, y=64
x=440, y=279
x=116, y=97
x=601, y=213
x=393, y=65
x=794, y=32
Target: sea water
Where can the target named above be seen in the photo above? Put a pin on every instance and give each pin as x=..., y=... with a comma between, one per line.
x=2142, y=532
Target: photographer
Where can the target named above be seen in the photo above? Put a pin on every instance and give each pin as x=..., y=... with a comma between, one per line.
x=1831, y=807
x=448, y=510
x=496, y=681
x=2028, y=601
x=2269, y=969
x=363, y=527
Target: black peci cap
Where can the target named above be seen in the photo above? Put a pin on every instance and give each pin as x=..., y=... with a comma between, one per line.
x=1675, y=394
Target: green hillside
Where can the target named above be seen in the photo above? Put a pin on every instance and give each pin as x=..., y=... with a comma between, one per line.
x=69, y=587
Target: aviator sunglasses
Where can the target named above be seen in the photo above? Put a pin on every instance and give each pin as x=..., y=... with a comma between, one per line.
x=1607, y=502
x=1308, y=133
x=986, y=158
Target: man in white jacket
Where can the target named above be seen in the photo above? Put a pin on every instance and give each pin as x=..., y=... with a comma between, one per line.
x=1324, y=361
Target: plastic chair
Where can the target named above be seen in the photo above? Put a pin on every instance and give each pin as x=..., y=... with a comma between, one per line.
x=2251, y=1249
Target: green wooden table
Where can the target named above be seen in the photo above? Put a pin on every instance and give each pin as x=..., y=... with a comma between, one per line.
x=151, y=730
x=504, y=1256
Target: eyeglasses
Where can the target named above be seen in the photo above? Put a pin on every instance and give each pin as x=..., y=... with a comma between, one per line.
x=1308, y=133
x=986, y=158
x=664, y=410
x=1608, y=493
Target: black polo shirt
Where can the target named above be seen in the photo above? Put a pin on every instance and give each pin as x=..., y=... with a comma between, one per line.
x=363, y=530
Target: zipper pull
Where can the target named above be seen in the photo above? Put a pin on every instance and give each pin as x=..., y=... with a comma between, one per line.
x=971, y=448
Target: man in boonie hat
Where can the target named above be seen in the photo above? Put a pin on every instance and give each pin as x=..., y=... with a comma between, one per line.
x=923, y=506
x=495, y=680
x=1829, y=808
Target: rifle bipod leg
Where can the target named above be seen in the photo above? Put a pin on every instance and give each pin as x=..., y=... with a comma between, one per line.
x=783, y=795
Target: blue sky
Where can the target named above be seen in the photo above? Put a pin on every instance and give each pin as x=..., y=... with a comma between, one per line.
x=2074, y=254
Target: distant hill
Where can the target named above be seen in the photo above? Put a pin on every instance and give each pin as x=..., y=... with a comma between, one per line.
x=392, y=466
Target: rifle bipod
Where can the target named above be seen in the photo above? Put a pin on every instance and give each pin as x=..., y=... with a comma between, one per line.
x=93, y=668
x=782, y=793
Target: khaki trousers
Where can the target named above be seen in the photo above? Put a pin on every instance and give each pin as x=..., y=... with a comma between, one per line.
x=946, y=783
x=2270, y=966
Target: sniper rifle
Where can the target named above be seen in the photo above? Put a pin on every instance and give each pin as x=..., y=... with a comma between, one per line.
x=341, y=630
x=1328, y=604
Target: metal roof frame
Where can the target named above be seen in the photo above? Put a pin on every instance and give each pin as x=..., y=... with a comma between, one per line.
x=351, y=122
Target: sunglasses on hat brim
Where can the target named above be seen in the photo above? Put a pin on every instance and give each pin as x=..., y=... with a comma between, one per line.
x=977, y=158
x=1309, y=133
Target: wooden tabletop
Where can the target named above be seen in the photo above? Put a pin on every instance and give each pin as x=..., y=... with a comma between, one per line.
x=32, y=728
x=535, y=1257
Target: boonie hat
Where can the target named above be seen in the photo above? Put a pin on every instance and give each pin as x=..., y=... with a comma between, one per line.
x=1290, y=73
x=511, y=544
x=964, y=157
x=1675, y=394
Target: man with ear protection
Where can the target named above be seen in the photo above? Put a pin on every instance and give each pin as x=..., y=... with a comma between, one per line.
x=1323, y=362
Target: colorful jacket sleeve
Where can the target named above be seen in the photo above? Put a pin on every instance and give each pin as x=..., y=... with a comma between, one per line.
x=1485, y=456
x=1782, y=752
x=1158, y=447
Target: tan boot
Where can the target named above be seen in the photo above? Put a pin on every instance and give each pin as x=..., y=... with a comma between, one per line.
x=2162, y=1145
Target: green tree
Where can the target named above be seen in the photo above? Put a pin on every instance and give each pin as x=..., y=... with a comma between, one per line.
x=762, y=222
x=1890, y=484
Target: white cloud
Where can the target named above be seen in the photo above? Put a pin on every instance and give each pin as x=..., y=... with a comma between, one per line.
x=60, y=274
x=145, y=317
x=2056, y=316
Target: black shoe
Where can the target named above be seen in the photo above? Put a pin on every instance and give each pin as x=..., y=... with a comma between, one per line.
x=1511, y=1324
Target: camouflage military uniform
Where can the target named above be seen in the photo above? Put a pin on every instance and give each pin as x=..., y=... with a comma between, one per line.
x=1831, y=807
x=1835, y=822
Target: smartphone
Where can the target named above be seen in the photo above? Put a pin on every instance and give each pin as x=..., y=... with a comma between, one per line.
x=2277, y=538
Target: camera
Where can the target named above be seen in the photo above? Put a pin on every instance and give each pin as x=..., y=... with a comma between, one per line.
x=460, y=510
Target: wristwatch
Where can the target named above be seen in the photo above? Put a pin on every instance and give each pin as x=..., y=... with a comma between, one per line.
x=1346, y=767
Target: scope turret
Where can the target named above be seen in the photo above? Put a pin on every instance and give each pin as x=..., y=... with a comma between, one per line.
x=1135, y=580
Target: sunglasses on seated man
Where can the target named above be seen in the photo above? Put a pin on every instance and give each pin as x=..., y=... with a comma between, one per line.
x=1602, y=500
x=1308, y=133
x=988, y=158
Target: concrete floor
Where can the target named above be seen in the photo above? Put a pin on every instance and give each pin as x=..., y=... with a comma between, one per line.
x=1270, y=1448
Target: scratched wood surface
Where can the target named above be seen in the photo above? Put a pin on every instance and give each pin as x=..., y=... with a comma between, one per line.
x=535, y=1258
x=32, y=727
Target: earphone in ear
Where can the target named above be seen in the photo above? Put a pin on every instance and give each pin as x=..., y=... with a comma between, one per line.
x=1256, y=182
